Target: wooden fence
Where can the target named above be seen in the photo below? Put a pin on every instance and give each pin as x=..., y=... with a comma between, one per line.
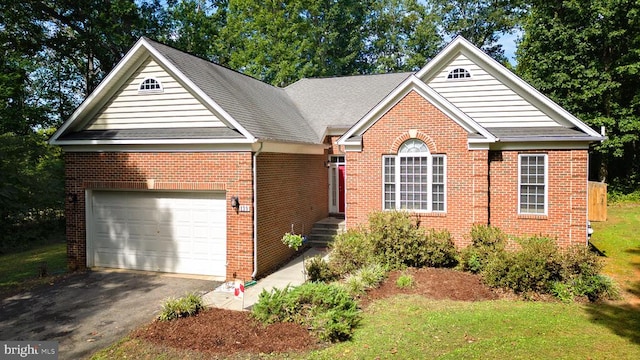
x=597, y=201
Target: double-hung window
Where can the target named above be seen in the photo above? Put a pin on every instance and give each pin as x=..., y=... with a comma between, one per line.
x=414, y=179
x=532, y=184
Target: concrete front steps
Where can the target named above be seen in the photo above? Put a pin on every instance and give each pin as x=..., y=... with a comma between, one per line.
x=324, y=231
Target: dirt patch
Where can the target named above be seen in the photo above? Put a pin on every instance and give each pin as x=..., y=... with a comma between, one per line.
x=219, y=331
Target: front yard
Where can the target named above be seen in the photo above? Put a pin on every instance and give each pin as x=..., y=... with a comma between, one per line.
x=414, y=325
x=420, y=324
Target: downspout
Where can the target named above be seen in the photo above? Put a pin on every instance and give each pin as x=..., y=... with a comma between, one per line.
x=488, y=187
x=255, y=211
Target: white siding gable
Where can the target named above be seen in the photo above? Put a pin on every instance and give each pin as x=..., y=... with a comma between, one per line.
x=485, y=99
x=173, y=107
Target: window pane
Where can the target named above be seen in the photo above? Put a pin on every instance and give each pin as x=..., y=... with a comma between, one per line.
x=532, y=183
x=437, y=187
x=413, y=185
x=389, y=183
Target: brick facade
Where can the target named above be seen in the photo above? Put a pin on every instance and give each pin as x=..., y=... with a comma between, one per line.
x=566, y=218
x=468, y=181
x=292, y=190
x=229, y=172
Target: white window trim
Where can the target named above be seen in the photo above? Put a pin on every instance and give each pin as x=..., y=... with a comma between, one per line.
x=546, y=184
x=150, y=91
x=396, y=167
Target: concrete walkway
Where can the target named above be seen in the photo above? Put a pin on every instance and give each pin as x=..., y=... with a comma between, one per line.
x=291, y=274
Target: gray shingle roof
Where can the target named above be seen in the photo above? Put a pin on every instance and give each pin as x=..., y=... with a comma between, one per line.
x=547, y=133
x=150, y=134
x=339, y=102
x=264, y=110
x=300, y=113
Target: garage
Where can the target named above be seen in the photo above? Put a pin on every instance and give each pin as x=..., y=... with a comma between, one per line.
x=176, y=232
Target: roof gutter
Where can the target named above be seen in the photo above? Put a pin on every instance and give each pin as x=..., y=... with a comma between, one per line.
x=255, y=211
x=548, y=138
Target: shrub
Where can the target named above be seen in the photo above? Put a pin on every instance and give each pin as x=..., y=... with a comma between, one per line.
x=372, y=274
x=398, y=242
x=579, y=260
x=188, y=305
x=404, y=281
x=396, y=239
x=350, y=251
x=364, y=278
x=354, y=285
x=539, y=266
x=438, y=250
x=533, y=268
x=318, y=269
x=486, y=242
x=326, y=309
x=595, y=287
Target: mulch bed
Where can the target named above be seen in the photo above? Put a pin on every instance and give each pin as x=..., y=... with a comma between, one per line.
x=219, y=331
x=223, y=331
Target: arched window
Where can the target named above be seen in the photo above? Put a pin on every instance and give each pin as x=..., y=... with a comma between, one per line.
x=150, y=85
x=414, y=179
x=459, y=73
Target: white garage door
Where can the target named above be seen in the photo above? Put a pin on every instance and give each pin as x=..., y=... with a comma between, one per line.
x=158, y=231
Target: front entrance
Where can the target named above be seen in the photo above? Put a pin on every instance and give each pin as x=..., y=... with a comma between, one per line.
x=336, y=184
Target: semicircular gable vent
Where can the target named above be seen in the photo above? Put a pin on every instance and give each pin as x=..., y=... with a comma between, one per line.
x=150, y=85
x=459, y=73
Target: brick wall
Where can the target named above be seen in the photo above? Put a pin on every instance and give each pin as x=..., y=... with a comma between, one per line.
x=467, y=180
x=292, y=189
x=467, y=184
x=229, y=172
x=566, y=218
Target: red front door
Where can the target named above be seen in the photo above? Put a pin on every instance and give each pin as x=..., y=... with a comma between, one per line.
x=341, y=175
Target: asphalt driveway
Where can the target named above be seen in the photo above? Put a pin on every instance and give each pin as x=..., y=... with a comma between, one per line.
x=89, y=311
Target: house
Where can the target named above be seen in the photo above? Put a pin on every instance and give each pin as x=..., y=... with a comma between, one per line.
x=178, y=164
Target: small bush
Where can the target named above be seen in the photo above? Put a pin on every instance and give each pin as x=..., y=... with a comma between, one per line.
x=326, y=309
x=364, y=278
x=372, y=274
x=562, y=291
x=595, y=287
x=396, y=238
x=399, y=242
x=533, y=268
x=438, y=250
x=486, y=242
x=350, y=251
x=354, y=285
x=319, y=270
x=539, y=266
x=578, y=260
x=405, y=281
x=188, y=305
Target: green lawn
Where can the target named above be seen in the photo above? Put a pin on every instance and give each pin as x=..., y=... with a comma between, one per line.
x=619, y=239
x=22, y=269
x=412, y=327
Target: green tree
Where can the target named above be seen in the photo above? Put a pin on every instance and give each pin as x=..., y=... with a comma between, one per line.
x=402, y=35
x=281, y=42
x=480, y=22
x=196, y=26
x=585, y=54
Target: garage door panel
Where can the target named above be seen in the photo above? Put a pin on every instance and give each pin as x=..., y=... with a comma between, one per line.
x=170, y=232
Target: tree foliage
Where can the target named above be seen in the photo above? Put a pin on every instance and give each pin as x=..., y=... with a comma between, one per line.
x=586, y=56
x=480, y=22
